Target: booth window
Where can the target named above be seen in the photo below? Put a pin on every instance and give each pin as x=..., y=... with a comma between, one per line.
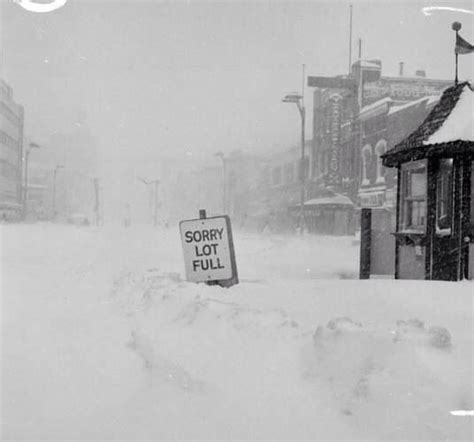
x=413, y=197
x=444, y=196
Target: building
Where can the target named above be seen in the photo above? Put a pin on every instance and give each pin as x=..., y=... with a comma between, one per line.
x=435, y=197
x=11, y=154
x=274, y=189
x=356, y=119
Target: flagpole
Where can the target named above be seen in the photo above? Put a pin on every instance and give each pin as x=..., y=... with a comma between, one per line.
x=456, y=26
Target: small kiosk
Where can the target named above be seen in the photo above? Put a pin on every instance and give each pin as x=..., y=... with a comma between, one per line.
x=435, y=192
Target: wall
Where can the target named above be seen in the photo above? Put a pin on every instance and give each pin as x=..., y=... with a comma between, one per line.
x=411, y=266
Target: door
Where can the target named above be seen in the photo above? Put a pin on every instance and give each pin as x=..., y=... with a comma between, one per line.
x=445, y=201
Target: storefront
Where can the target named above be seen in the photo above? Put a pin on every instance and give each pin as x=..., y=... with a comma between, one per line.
x=435, y=194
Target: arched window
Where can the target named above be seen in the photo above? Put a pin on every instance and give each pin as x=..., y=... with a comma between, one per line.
x=366, y=160
x=380, y=149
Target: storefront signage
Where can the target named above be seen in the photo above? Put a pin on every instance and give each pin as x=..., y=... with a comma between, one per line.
x=404, y=90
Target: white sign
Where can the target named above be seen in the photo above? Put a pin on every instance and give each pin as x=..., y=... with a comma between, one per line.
x=207, y=249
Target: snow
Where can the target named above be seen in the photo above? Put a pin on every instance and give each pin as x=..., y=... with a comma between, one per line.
x=103, y=339
x=336, y=199
x=430, y=99
x=459, y=124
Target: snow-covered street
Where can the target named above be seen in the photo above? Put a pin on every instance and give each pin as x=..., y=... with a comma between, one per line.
x=102, y=338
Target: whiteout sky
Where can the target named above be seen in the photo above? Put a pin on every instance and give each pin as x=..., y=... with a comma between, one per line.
x=185, y=79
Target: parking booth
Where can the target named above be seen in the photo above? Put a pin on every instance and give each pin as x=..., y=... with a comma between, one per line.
x=435, y=192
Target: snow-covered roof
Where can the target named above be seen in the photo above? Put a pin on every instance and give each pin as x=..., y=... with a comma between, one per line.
x=330, y=200
x=375, y=105
x=428, y=100
x=448, y=128
x=459, y=123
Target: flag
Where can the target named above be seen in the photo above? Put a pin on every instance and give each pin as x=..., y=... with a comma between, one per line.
x=463, y=46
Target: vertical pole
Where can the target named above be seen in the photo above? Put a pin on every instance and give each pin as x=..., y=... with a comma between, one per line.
x=303, y=177
x=224, y=187
x=350, y=40
x=456, y=62
x=54, y=193
x=96, y=193
x=155, y=208
x=365, y=243
x=25, y=191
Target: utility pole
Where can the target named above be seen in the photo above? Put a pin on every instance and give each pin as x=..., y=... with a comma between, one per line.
x=155, y=182
x=95, y=182
x=55, y=172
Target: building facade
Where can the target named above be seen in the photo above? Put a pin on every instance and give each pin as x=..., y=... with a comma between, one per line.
x=356, y=119
x=11, y=154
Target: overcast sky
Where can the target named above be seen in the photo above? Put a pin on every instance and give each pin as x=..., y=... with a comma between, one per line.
x=176, y=78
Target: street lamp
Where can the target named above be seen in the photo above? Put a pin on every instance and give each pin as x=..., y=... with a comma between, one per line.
x=25, y=190
x=55, y=172
x=298, y=99
x=221, y=156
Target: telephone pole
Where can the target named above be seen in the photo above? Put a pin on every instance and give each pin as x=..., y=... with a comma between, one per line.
x=155, y=182
x=95, y=182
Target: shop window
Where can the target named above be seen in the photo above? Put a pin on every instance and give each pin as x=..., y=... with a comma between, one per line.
x=444, y=196
x=366, y=161
x=413, y=197
x=380, y=149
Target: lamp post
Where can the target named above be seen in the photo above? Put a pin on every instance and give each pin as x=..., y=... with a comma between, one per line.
x=25, y=189
x=55, y=172
x=298, y=99
x=224, y=190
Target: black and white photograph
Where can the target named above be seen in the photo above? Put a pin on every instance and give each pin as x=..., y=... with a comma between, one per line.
x=237, y=220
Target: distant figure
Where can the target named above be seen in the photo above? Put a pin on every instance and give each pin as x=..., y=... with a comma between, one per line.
x=86, y=222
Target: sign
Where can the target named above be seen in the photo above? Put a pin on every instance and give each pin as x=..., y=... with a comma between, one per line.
x=402, y=89
x=331, y=82
x=209, y=250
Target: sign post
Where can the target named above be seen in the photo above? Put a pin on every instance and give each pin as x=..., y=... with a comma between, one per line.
x=208, y=249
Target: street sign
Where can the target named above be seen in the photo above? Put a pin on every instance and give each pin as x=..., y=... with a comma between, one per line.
x=209, y=250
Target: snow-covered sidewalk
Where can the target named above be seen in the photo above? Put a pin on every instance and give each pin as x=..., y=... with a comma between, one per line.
x=102, y=338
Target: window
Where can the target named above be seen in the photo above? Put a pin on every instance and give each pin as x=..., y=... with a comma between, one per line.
x=413, y=196
x=444, y=190
x=380, y=149
x=366, y=161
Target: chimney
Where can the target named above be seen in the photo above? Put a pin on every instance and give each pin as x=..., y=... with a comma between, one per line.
x=400, y=72
x=420, y=73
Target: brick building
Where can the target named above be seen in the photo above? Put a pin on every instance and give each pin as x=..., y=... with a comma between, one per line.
x=356, y=119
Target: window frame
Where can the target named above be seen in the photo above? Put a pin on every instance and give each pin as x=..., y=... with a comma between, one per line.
x=408, y=200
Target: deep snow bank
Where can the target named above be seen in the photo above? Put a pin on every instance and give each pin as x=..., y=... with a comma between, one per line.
x=102, y=339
